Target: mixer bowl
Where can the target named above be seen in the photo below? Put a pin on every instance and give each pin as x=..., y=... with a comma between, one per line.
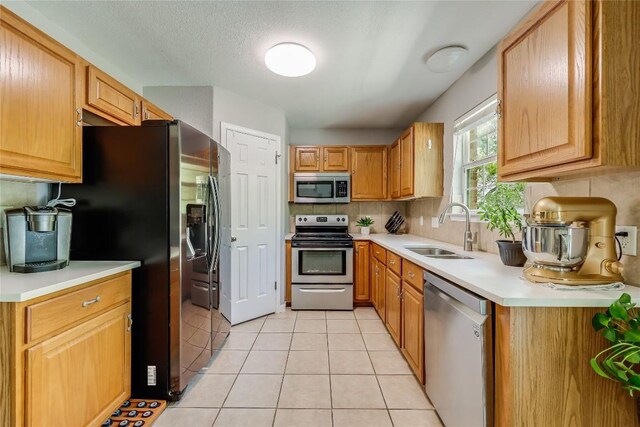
x=560, y=246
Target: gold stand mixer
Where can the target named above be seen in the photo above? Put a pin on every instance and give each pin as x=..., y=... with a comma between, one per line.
x=571, y=241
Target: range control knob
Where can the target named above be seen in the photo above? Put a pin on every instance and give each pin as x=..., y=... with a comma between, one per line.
x=305, y=220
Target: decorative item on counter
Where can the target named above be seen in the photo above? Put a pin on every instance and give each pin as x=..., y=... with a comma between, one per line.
x=365, y=223
x=394, y=223
x=620, y=324
x=500, y=209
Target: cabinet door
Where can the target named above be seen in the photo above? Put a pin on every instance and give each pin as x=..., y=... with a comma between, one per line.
x=152, y=112
x=412, y=329
x=369, y=173
x=544, y=88
x=40, y=89
x=307, y=159
x=382, y=279
x=362, y=284
x=335, y=159
x=406, y=162
x=393, y=306
x=394, y=169
x=112, y=97
x=374, y=272
x=80, y=376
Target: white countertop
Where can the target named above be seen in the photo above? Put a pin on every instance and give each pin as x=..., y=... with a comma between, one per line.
x=486, y=276
x=17, y=287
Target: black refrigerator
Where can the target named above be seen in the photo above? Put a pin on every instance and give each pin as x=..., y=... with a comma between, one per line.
x=159, y=193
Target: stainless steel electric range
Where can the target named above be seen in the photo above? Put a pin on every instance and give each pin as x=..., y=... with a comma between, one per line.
x=322, y=263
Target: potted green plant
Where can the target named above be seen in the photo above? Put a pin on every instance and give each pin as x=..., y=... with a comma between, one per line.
x=500, y=209
x=365, y=223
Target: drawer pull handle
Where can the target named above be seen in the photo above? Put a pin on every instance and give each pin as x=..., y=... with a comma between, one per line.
x=130, y=322
x=392, y=262
x=411, y=274
x=91, y=301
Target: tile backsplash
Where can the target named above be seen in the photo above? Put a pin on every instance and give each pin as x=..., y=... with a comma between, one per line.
x=14, y=195
x=620, y=188
x=380, y=212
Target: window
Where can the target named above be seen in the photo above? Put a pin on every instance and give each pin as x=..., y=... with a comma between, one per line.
x=475, y=138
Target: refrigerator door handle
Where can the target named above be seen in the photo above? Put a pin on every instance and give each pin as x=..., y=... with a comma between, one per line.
x=209, y=237
x=216, y=210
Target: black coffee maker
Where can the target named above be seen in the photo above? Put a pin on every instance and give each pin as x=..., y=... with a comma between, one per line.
x=37, y=238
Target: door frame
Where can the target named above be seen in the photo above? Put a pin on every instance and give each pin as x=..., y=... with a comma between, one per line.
x=280, y=273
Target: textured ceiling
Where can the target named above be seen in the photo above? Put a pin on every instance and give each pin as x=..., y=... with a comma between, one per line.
x=371, y=70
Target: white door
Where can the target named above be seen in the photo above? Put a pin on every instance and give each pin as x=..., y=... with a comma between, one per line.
x=254, y=200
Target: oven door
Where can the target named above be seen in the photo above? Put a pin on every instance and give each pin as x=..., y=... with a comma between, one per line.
x=314, y=189
x=321, y=265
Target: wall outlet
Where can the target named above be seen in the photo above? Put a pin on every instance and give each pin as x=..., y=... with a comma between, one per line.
x=630, y=243
x=421, y=220
x=434, y=222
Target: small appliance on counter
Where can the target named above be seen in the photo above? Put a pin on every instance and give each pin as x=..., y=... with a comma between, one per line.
x=571, y=241
x=394, y=223
x=322, y=263
x=37, y=238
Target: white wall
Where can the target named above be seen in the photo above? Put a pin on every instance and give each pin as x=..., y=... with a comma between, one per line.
x=191, y=104
x=476, y=84
x=343, y=136
x=230, y=107
x=40, y=21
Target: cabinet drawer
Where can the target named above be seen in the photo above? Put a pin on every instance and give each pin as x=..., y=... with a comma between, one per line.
x=55, y=314
x=394, y=263
x=412, y=274
x=379, y=252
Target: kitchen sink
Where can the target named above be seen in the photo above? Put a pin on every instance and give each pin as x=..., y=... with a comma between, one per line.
x=435, y=252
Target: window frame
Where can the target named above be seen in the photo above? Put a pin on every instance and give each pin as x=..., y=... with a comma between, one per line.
x=480, y=114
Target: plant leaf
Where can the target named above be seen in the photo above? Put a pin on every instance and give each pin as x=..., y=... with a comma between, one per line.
x=625, y=298
x=596, y=367
x=600, y=320
x=610, y=334
x=618, y=311
x=632, y=335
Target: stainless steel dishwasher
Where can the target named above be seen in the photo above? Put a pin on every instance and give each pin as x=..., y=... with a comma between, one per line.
x=458, y=353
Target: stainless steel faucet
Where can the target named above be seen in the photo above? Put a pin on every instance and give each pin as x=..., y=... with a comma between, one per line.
x=468, y=237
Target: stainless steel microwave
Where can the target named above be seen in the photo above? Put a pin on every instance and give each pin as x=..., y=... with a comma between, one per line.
x=322, y=187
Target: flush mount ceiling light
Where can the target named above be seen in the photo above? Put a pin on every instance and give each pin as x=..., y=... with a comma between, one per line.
x=290, y=60
x=447, y=59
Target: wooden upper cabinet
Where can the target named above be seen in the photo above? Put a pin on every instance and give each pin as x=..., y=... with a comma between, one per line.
x=417, y=162
x=335, y=159
x=111, y=98
x=394, y=169
x=407, y=169
x=362, y=283
x=544, y=89
x=152, y=112
x=307, y=159
x=369, y=172
x=40, y=108
x=563, y=103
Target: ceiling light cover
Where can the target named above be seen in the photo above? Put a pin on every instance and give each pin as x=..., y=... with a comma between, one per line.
x=290, y=60
x=447, y=59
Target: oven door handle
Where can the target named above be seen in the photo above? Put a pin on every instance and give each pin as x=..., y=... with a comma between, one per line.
x=322, y=290
x=321, y=246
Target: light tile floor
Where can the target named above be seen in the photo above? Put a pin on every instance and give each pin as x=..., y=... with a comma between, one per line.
x=306, y=369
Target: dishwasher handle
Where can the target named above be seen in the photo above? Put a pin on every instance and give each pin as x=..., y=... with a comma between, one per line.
x=471, y=300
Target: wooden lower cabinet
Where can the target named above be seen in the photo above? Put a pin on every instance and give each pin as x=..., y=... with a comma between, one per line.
x=378, y=273
x=361, y=271
x=87, y=366
x=76, y=374
x=393, y=304
x=413, y=329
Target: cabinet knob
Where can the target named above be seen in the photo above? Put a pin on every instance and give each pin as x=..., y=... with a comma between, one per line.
x=79, y=119
x=411, y=274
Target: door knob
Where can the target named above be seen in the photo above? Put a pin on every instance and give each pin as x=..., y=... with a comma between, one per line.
x=233, y=239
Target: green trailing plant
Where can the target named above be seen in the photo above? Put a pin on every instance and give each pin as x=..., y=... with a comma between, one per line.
x=620, y=324
x=500, y=209
x=365, y=221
